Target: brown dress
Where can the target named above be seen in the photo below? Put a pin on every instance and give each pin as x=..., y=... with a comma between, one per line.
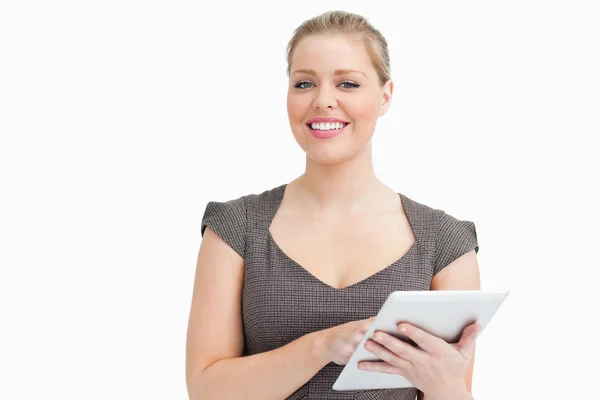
x=282, y=301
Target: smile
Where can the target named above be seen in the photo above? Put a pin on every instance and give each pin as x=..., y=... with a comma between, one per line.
x=327, y=126
x=326, y=130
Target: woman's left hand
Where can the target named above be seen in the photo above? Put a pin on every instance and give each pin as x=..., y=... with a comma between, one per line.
x=436, y=368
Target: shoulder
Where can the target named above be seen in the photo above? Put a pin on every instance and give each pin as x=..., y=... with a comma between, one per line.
x=229, y=218
x=237, y=208
x=228, y=209
x=454, y=237
x=442, y=221
x=451, y=236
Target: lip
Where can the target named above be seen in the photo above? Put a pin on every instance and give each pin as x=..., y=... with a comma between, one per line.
x=326, y=134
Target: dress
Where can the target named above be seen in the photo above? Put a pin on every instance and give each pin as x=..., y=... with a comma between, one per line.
x=278, y=292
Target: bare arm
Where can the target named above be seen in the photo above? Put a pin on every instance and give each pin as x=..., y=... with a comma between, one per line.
x=215, y=367
x=461, y=274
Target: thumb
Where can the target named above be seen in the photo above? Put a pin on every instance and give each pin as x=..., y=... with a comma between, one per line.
x=466, y=344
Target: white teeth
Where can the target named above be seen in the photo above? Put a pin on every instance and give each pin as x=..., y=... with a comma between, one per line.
x=326, y=126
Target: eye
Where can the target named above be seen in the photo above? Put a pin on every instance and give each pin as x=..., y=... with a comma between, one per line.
x=349, y=85
x=302, y=85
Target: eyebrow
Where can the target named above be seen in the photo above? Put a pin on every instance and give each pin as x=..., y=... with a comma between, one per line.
x=337, y=71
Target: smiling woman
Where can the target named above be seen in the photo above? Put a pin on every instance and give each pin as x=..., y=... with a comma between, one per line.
x=288, y=279
x=335, y=77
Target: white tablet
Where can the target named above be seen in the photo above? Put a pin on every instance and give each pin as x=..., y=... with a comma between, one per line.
x=443, y=313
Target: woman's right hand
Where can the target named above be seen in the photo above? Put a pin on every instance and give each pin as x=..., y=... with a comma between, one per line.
x=340, y=341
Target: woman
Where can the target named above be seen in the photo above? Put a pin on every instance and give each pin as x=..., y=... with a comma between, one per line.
x=288, y=280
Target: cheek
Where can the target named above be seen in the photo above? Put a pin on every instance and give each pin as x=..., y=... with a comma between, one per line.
x=365, y=112
x=296, y=108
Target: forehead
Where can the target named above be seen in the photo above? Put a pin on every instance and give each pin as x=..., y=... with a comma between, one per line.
x=329, y=52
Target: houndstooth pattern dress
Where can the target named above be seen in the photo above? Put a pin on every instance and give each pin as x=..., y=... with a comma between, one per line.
x=278, y=292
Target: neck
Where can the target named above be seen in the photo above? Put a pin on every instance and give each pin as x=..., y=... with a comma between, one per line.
x=342, y=188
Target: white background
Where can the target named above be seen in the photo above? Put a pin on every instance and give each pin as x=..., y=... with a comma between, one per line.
x=120, y=120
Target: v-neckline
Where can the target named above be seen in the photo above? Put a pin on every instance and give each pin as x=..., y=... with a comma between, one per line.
x=279, y=199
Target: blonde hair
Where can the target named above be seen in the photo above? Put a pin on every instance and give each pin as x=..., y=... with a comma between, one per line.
x=332, y=22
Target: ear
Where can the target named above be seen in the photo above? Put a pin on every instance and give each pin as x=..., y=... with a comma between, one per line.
x=386, y=99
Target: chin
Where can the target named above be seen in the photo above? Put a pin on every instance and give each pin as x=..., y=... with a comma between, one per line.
x=330, y=156
x=330, y=151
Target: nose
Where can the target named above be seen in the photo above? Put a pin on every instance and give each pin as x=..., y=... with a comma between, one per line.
x=324, y=98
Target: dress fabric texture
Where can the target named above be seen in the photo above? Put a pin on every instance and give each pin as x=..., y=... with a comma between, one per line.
x=282, y=301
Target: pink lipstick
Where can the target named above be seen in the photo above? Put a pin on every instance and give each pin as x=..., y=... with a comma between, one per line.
x=326, y=127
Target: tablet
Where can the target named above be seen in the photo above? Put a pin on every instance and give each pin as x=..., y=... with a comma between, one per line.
x=443, y=313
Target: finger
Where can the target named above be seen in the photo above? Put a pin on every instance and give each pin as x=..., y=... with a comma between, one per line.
x=425, y=340
x=386, y=355
x=381, y=366
x=466, y=344
x=357, y=337
x=367, y=323
x=398, y=347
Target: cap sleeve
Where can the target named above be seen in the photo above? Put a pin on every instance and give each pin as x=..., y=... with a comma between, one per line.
x=454, y=238
x=228, y=220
